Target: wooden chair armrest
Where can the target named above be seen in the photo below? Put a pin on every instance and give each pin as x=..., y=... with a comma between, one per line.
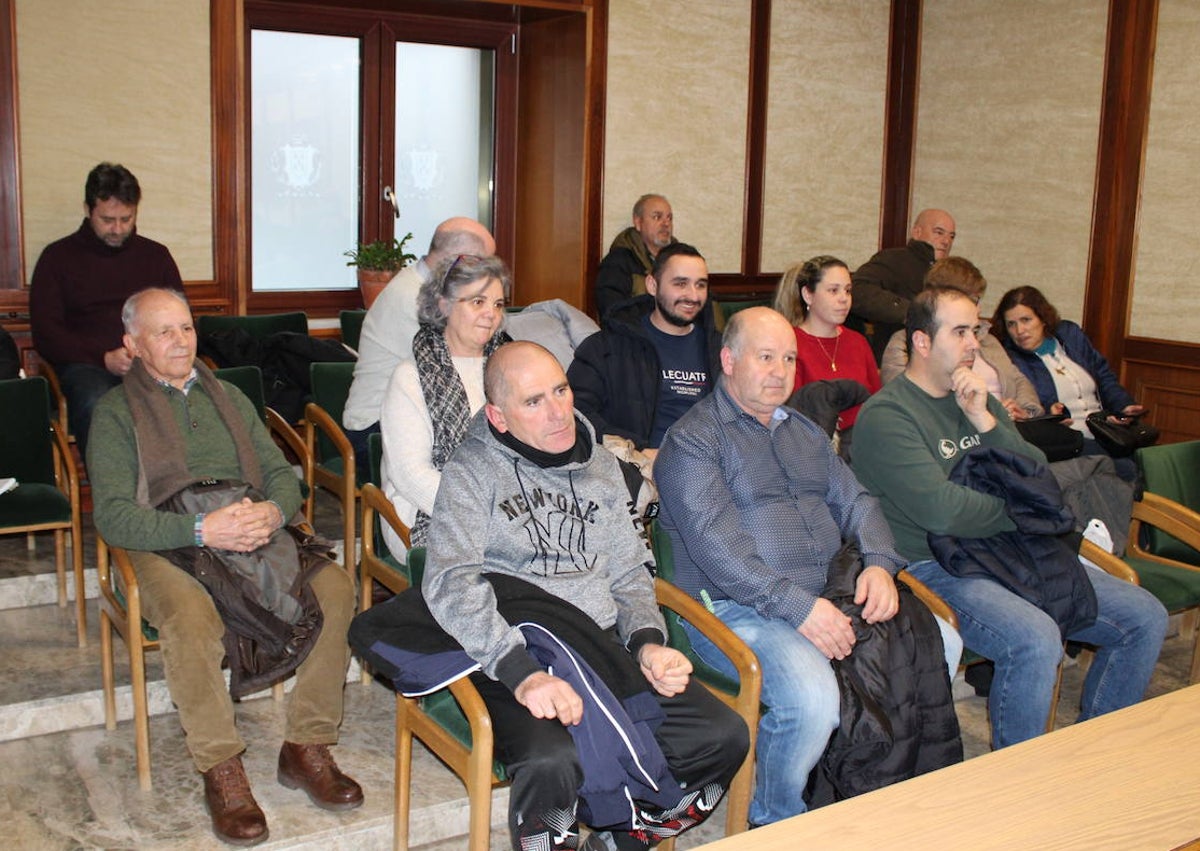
x=1108, y=562
x=1169, y=516
x=108, y=556
x=318, y=418
x=374, y=501
x=931, y=600
x=56, y=395
x=64, y=463
x=725, y=640
x=289, y=437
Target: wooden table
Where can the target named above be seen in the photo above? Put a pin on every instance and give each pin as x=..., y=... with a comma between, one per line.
x=1127, y=780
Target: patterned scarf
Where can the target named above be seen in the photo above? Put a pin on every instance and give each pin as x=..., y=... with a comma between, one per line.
x=162, y=467
x=445, y=399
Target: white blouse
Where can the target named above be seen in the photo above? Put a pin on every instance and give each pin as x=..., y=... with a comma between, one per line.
x=1075, y=387
x=409, y=478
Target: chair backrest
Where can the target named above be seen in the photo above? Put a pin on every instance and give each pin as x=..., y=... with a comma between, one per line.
x=330, y=386
x=1170, y=471
x=248, y=379
x=26, y=444
x=727, y=308
x=259, y=326
x=664, y=557
x=375, y=456
x=351, y=322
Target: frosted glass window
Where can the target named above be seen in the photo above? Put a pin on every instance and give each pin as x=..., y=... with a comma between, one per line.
x=304, y=166
x=444, y=105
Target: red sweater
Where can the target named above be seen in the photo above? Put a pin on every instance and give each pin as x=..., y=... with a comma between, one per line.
x=79, y=286
x=851, y=352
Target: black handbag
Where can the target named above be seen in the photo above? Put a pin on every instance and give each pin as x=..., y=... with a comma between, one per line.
x=1057, y=441
x=1120, y=439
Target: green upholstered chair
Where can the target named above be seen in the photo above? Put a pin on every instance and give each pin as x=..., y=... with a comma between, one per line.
x=249, y=380
x=330, y=449
x=1164, y=537
x=722, y=310
x=262, y=325
x=742, y=695
x=351, y=322
x=453, y=722
x=34, y=450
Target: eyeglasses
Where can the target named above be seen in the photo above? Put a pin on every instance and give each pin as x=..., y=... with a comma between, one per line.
x=452, y=266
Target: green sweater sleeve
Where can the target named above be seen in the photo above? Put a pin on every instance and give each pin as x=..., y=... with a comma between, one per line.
x=113, y=467
x=904, y=449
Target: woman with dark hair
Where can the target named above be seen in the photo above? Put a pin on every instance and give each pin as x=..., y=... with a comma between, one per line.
x=815, y=297
x=430, y=399
x=1070, y=376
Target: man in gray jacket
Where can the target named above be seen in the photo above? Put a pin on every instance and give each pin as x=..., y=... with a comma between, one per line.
x=529, y=494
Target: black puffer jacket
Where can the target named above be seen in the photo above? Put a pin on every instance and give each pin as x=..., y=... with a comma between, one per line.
x=897, y=713
x=1039, y=561
x=615, y=374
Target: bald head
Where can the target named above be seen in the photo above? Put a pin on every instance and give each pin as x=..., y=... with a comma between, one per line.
x=529, y=397
x=460, y=235
x=937, y=228
x=758, y=359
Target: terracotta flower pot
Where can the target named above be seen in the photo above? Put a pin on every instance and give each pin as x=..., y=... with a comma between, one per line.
x=371, y=283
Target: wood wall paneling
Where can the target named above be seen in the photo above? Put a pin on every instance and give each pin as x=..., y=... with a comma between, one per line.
x=900, y=121
x=12, y=273
x=1124, y=118
x=550, y=259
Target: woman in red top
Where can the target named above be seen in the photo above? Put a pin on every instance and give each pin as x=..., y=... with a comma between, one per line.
x=815, y=298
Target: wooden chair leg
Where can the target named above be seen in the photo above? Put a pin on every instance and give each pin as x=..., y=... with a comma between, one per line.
x=80, y=591
x=60, y=564
x=741, y=791
x=277, y=691
x=141, y=706
x=1194, y=674
x=1052, y=717
x=106, y=671
x=403, y=778
x=479, y=796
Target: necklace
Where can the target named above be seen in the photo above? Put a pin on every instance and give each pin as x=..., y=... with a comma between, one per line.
x=837, y=341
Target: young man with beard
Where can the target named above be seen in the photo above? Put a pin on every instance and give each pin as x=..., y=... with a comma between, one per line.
x=655, y=355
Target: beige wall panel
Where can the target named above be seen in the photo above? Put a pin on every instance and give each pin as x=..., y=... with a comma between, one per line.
x=1008, y=116
x=1166, y=298
x=825, y=124
x=125, y=82
x=678, y=77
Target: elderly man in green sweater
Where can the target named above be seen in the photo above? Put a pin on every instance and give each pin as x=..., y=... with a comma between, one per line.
x=172, y=424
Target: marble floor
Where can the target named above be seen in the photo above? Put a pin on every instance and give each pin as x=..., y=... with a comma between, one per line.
x=68, y=783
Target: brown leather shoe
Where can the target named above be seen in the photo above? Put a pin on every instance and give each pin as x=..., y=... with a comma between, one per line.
x=311, y=768
x=236, y=817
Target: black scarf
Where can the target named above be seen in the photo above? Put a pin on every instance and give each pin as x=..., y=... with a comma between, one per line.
x=445, y=400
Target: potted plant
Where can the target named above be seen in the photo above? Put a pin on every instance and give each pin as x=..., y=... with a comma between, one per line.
x=378, y=262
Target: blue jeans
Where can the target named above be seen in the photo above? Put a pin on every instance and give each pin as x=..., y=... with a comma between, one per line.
x=1026, y=646
x=83, y=384
x=801, y=691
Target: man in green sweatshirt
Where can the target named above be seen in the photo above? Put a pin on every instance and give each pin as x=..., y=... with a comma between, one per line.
x=186, y=427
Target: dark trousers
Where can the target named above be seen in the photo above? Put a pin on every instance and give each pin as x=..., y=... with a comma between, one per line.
x=703, y=740
x=83, y=384
x=362, y=456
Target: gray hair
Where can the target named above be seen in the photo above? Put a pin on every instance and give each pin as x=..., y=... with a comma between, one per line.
x=129, y=310
x=640, y=204
x=454, y=275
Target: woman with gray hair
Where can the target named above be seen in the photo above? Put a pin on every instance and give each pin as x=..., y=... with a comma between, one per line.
x=430, y=398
